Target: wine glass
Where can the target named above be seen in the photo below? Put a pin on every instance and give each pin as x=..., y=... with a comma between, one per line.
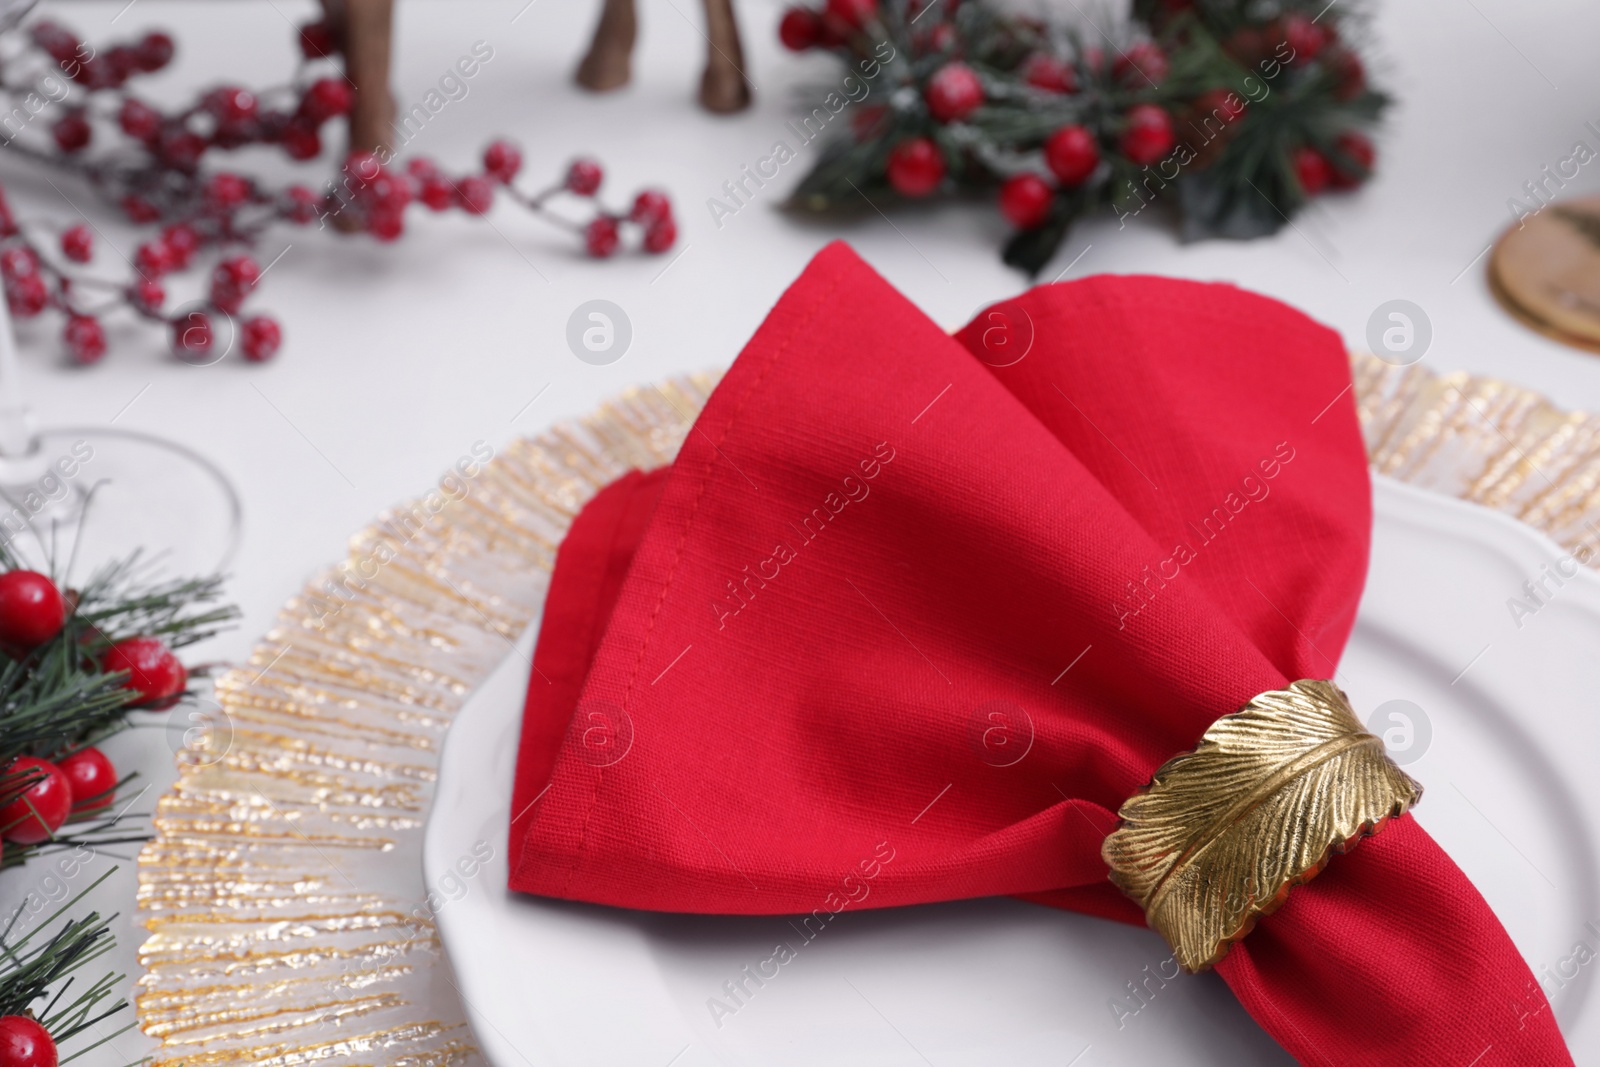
x=93, y=494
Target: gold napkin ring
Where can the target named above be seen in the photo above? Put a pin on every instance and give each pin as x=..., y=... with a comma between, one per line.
x=1222, y=832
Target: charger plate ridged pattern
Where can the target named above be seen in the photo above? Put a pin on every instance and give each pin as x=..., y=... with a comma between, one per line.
x=287, y=923
x=276, y=934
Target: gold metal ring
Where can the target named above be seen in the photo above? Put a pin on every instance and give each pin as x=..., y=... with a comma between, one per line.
x=1221, y=833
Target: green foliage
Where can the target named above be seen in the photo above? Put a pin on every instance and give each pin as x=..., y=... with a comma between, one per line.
x=1231, y=172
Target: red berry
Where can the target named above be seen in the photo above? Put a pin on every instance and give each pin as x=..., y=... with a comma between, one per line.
x=239, y=271
x=77, y=243
x=95, y=72
x=152, y=259
x=8, y=221
x=1146, y=134
x=420, y=167
x=85, y=339
x=60, y=43
x=181, y=240
x=1141, y=66
x=1222, y=105
x=600, y=237
x=232, y=281
x=953, y=93
x=1025, y=200
x=299, y=205
x=1352, y=76
x=192, y=338
x=326, y=98
x=385, y=224
x=853, y=13
x=584, y=177
x=362, y=165
x=942, y=38
x=138, y=119
x=231, y=104
x=138, y=209
x=1072, y=154
x=93, y=780
x=661, y=234
x=181, y=147
x=301, y=141
x=915, y=167
x=1353, y=159
x=501, y=161
x=437, y=192
x=147, y=294
x=387, y=192
x=316, y=40
x=153, y=671
x=1045, y=71
x=155, y=51
x=1303, y=36
x=261, y=338
x=1312, y=170
x=226, y=190
x=26, y=297
x=799, y=29
x=475, y=194
x=38, y=813
x=649, y=206
x=32, y=609
x=72, y=132
x=123, y=60
x=24, y=1043
x=18, y=262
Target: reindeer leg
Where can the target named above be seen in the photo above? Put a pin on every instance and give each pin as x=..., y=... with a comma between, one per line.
x=723, y=86
x=608, y=64
x=364, y=30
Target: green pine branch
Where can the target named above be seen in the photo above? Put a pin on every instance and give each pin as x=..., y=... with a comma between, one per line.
x=42, y=971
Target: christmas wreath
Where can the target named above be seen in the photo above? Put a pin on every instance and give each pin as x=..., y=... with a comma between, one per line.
x=1237, y=113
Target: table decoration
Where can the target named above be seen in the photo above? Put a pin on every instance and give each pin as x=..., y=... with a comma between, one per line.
x=340, y=724
x=76, y=666
x=718, y=789
x=152, y=172
x=1544, y=268
x=1237, y=113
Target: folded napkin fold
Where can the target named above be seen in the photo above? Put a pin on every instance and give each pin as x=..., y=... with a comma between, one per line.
x=911, y=615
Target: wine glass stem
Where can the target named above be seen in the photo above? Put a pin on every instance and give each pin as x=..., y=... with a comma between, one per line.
x=18, y=438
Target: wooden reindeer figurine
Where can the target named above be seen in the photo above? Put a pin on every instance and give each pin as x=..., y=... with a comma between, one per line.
x=723, y=85
x=364, y=29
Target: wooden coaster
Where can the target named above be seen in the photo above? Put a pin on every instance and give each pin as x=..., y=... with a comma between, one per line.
x=1546, y=272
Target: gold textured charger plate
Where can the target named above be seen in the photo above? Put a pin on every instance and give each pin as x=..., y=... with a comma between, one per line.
x=286, y=919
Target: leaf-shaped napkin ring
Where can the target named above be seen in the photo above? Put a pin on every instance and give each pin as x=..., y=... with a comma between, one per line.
x=1221, y=833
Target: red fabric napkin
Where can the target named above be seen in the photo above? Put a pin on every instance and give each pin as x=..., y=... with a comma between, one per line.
x=903, y=625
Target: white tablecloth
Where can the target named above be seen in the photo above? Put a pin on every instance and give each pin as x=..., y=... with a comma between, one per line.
x=399, y=358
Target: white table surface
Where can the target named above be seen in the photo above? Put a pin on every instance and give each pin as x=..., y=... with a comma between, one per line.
x=398, y=358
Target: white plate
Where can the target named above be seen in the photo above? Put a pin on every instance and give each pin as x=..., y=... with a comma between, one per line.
x=1501, y=729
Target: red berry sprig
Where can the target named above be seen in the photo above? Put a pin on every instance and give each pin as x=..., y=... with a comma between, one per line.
x=215, y=218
